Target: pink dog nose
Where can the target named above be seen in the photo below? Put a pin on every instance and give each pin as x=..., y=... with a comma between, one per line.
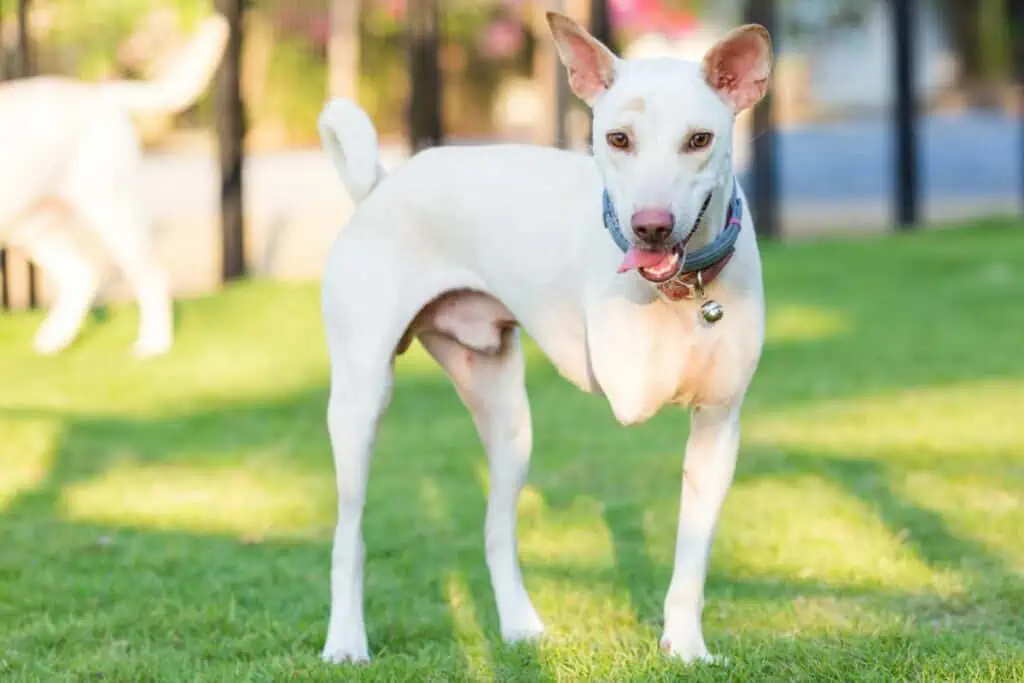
x=653, y=225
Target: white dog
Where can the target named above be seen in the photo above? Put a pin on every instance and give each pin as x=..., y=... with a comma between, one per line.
x=71, y=145
x=461, y=246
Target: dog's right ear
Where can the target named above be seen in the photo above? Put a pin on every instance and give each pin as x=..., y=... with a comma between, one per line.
x=591, y=65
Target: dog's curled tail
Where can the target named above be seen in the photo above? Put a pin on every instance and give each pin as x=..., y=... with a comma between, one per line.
x=350, y=140
x=184, y=81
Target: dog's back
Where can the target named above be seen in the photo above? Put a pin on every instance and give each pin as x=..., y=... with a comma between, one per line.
x=41, y=123
x=48, y=123
x=486, y=206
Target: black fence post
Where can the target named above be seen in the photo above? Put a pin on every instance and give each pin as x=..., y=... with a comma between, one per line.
x=5, y=301
x=905, y=114
x=601, y=27
x=563, y=96
x=764, y=161
x=5, y=295
x=601, y=23
x=1016, y=19
x=230, y=138
x=426, y=128
x=26, y=68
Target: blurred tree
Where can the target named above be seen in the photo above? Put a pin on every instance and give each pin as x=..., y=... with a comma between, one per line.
x=343, y=49
x=25, y=61
x=600, y=20
x=230, y=136
x=979, y=30
x=423, y=38
x=601, y=23
x=26, y=68
x=965, y=31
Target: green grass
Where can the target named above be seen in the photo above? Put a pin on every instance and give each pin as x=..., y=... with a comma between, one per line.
x=170, y=520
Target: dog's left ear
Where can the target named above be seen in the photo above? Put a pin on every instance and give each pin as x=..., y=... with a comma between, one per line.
x=591, y=65
x=738, y=66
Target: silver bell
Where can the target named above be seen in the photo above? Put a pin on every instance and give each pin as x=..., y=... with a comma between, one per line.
x=711, y=311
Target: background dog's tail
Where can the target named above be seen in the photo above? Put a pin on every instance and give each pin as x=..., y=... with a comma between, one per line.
x=184, y=82
x=350, y=140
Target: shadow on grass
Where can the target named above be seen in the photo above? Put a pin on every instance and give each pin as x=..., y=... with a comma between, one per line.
x=232, y=585
x=923, y=530
x=417, y=545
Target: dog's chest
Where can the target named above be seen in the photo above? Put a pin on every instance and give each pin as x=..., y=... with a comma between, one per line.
x=714, y=362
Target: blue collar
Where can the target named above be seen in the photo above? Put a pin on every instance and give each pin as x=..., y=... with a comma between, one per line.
x=707, y=256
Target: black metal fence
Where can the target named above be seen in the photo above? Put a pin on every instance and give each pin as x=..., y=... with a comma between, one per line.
x=425, y=121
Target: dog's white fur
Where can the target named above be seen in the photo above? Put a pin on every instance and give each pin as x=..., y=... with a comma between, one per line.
x=463, y=245
x=71, y=146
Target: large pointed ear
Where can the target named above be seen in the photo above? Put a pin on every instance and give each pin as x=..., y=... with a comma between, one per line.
x=591, y=65
x=738, y=66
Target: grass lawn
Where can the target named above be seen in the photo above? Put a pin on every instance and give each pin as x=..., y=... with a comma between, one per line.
x=169, y=520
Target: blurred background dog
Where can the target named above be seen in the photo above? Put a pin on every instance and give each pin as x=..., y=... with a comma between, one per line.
x=72, y=160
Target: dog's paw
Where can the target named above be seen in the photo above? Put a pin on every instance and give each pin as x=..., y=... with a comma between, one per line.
x=689, y=649
x=529, y=629
x=345, y=655
x=49, y=342
x=151, y=348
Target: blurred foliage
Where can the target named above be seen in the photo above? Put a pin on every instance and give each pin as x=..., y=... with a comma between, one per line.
x=286, y=68
x=285, y=59
x=81, y=37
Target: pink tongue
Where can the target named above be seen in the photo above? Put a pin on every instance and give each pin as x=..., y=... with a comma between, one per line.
x=638, y=258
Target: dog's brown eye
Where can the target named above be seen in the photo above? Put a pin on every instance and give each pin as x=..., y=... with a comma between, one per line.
x=618, y=140
x=699, y=141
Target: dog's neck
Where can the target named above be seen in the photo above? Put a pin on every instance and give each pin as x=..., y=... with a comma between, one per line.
x=716, y=216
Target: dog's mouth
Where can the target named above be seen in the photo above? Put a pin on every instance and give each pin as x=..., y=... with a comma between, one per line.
x=654, y=266
x=661, y=265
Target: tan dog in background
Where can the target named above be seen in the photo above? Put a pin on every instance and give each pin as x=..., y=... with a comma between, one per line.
x=72, y=144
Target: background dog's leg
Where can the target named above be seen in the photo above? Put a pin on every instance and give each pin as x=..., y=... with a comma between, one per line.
x=126, y=238
x=707, y=474
x=73, y=276
x=493, y=387
x=359, y=395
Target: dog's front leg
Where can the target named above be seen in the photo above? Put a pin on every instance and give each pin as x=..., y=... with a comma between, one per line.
x=707, y=474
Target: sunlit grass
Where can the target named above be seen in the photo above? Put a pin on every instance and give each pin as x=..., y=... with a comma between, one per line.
x=258, y=498
x=792, y=322
x=980, y=419
x=170, y=520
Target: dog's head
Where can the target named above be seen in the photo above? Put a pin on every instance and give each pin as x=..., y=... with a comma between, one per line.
x=663, y=131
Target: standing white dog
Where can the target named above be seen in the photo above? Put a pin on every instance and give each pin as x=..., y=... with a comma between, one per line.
x=464, y=245
x=72, y=144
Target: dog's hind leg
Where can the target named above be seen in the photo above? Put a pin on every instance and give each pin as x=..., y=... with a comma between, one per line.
x=360, y=391
x=102, y=185
x=121, y=228
x=492, y=385
x=74, y=277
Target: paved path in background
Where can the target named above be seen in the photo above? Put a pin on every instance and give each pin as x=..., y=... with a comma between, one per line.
x=834, y=176
x=962, y=157
x=965, y=156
